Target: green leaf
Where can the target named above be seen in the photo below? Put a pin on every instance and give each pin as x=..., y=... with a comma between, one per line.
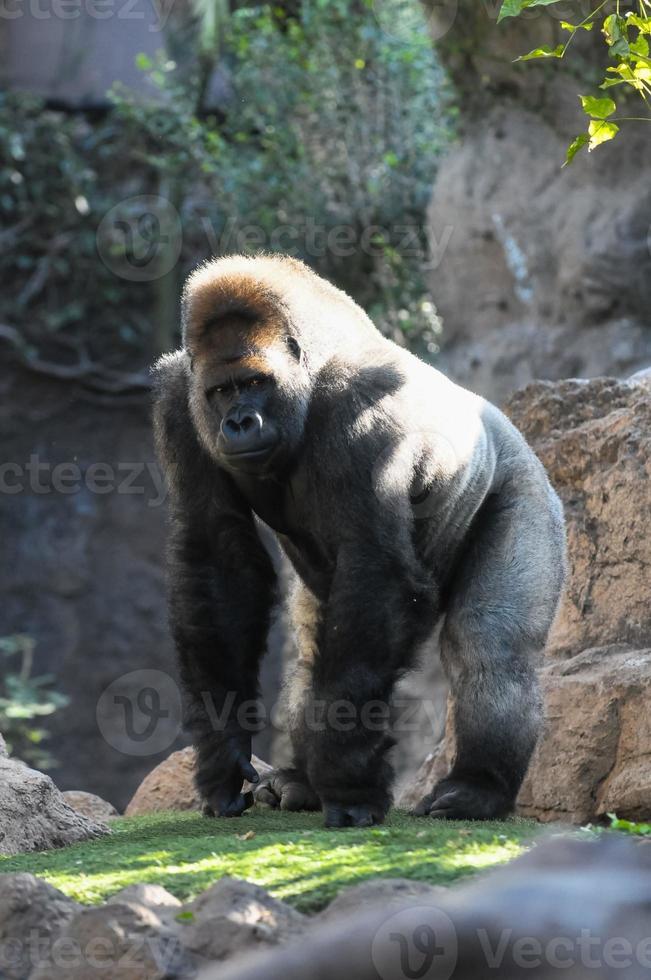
x=615, y=30
x=575, y=146
x=641, y=47
x=642, y=23
x=600, y=132
x=597, y=108
x=544, y=52
x=512, y=8
x=143, y=62
x=576, y=27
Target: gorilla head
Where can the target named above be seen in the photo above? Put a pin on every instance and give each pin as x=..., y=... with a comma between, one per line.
x=250, y=384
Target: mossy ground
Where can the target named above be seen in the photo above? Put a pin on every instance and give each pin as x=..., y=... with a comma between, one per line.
x=291, y=855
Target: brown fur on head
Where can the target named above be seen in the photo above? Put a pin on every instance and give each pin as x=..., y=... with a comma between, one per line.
x=279, y=297
x=237, y=286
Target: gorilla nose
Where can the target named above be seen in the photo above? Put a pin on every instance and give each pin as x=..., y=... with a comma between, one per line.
x=242, y=432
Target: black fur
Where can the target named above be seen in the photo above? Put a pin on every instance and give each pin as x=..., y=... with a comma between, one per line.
x=400, y=499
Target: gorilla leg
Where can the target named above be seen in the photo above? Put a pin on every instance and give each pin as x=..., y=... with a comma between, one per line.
x=289, y=788
x=504, y=599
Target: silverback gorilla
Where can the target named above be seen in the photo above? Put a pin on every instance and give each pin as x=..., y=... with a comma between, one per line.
x=401, y=500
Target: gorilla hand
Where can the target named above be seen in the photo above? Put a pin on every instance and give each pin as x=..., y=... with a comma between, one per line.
x=288, y=789
x=221, y=773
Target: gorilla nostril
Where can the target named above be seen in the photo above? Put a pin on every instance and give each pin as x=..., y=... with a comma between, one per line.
x=231, y=427
x=247, y=423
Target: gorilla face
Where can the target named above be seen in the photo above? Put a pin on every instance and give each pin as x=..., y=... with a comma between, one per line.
x=250, y=396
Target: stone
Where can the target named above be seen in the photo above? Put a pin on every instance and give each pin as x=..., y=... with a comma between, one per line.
x=151, y=896
x=387, y=892
x=34, y=815
x=3, y=748
x=117, y=942
x=170, y=786
x=90, y=805
x=32, y=914
x=594, y=439
x=594, y=756
x=235, y=916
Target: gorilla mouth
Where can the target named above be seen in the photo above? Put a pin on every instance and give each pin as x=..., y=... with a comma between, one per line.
x=251, y=453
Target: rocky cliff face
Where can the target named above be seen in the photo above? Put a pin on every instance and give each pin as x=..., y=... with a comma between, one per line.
x=537, y=271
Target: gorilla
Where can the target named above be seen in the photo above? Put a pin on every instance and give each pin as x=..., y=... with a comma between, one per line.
x=405, y=504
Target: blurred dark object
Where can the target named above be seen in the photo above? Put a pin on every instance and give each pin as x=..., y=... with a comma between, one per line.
x=568, y=908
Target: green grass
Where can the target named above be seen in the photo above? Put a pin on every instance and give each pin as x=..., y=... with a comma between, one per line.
x=289, y=854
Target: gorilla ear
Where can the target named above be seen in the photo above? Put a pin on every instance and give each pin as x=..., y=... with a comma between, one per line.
x=294, y=347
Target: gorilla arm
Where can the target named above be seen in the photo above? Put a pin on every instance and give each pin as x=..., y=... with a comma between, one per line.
x=377, y=613
x=221, y=584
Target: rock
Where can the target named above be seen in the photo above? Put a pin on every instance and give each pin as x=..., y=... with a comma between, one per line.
x=32, y=914
x=234, y=916
x=573, y=906
x=642, y=377
x=387, y=892
x=538, y=271
x=34, y=815
x=3, y=748
x=151, y=896
x=594, y=756
x=117, y=942
x=90, y=805
x=170, y=786
x=594, y=438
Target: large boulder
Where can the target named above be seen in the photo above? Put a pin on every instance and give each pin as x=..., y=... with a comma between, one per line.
x=32, y=914
x=235, y=916
x=594, y=438
x=34, y=815
x=90, y=805
x=117, y=942
x=170, y=786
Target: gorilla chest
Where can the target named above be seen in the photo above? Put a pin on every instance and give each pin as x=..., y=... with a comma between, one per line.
x=284, y=507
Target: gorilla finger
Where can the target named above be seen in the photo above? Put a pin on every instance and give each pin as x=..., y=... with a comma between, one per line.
x=236, y=806
x=247, y=770
x=364, y=816
x=423, y=808
x=336, y=816
x=264, y=794
x=207, y=810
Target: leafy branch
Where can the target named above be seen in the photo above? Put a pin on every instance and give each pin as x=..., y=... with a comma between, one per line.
x=627, y=38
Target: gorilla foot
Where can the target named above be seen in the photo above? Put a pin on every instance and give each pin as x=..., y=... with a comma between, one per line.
x=287, y=789
x=228, y=808
x=353, y=815
x=463, y=799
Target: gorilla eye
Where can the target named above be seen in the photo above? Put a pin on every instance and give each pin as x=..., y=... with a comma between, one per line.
x=294, y=348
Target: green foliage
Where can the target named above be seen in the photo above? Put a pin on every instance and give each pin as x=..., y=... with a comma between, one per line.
x=291, y=854
x=627, y=39
x=58, y=176
x=629, y=826
x=23, y=700
x=325, y=146
x=326, y=150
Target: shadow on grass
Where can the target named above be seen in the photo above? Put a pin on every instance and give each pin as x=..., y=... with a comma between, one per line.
x=290, y=854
